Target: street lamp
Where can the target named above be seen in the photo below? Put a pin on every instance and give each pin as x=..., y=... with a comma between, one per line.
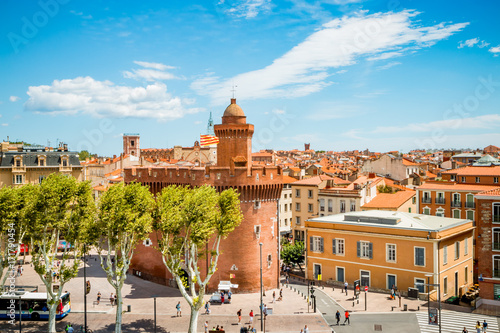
x=261, y=302
x=85, y=286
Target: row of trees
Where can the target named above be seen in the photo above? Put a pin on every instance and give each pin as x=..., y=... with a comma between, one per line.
x=185, y=220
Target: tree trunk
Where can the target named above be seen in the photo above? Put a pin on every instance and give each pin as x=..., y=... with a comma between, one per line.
x=193, y=320
x=52, y=318
x=118, y=327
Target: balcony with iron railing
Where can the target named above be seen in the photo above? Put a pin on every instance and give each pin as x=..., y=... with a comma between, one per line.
x=440, y=201
x=426, y=200
x=469, y=204
x=456, y=204
x=496, y=246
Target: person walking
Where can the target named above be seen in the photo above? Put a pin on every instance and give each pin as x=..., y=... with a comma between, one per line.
x=116, y=299
x=465, y=330
x=306, y=330
x=111, y=299
x=239, y=316
x=347, y=317
x=478, y=327
x=251, y=317
x=337, y=316
x=274, y=296
x=345, y=287
x=206, y=326
x=222, y=297
x=207, y=308
x=98, y=297
x=178, y=307
x=485, y=326
x=281, y=295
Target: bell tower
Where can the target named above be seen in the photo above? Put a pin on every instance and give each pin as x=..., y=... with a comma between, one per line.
x=131, y=145
x=235, y=139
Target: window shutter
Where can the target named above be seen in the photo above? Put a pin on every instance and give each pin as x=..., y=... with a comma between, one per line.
x=359, y=249
x=311, y=243
x=370, y=250
x=334, y=246
x=321, y=245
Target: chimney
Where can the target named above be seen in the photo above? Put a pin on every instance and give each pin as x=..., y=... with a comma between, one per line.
x=371, y=175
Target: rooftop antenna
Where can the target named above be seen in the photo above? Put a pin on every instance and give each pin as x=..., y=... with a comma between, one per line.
x=233, y=90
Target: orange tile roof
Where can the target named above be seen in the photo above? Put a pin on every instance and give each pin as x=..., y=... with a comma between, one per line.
x=408, y=162
x=262, y=154
x=475, y=171
x=491, y=193
x=389, y=200
x=449, y=186
x=313, y=180
x=100, y=188
x=289, y=180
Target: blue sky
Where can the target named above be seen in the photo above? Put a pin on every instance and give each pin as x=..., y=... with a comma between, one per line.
x=340, y=74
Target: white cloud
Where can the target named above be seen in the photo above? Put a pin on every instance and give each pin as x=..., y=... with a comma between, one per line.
x=247, y=8
x=479, y=122
x=5, y=124
x=152, y=71
x=468, y=43
x=84, y=95
x=341, y=42
x=389, y=65
x=14, y=98
x=495, y=49
x=483, y=44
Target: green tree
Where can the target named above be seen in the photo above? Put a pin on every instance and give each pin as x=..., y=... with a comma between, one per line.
x=15, y=204
x=63, y=206
x=83, y=155
x=293, y=253
x=188, y=221
x=125, y=217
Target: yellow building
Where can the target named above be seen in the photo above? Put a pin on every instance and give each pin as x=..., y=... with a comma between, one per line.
x=31, y=164
x=386, y=248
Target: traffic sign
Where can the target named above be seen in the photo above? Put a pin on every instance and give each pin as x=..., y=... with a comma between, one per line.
x=366, y=288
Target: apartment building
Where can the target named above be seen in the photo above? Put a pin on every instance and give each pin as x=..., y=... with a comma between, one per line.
x=285, y=207
x=393, y=167
x=488, y=245
x=401, y=201
x=384, y=248
x=31, y=164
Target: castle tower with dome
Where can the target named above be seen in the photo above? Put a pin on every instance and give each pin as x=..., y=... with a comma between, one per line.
x=259, y=187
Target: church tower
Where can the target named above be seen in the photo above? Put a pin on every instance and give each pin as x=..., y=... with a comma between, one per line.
x=131, y=145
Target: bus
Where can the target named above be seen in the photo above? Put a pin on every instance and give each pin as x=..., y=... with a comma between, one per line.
x=33, y=306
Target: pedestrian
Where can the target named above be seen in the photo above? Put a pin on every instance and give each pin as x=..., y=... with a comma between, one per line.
x=264, y=311
x=251, y=317
x=347, y=317
x=465, y=330
x=206, y=326
x=178, y=307
x=116, y=299
x=239, y=316
x=281, y=295
x=287, y=279
x=478, y=327
x=345, y=287
x=222, y=297
x=98, y=297
x=70, y=329
x=207, y=308
x=306, y=330
x=485, y=326
x=111, y=299
x=22, y=269
x=229, y=295
x=274, y=296
x=337, y=316
x=392, y=292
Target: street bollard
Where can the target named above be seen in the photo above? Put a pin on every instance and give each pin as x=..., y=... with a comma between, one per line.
x=353, y=304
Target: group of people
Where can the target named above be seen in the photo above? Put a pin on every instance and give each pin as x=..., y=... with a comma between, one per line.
x=346, y=315
x=479, y=327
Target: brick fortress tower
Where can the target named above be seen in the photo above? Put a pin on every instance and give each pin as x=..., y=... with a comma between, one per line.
x=131, y=145
x=259, y=187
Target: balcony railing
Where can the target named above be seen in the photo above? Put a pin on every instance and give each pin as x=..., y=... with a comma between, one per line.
x=457, y=204
x=426, y=200
x=496, y=246
x=470, y=204
x=496, y=218
x=440, y=201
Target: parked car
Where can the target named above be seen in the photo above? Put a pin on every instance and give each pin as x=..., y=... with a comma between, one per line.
x=216, y=299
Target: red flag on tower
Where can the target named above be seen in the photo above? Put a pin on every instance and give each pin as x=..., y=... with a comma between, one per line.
x=207, y=140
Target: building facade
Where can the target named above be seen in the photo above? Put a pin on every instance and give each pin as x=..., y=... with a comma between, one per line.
x=259, y=187
x=384, y=249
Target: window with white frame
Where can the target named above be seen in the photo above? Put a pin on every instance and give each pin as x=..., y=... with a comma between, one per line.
x=445, y=255
x=309, y=194
x=466, y=274
x=391, y=252
x=495, y=180
x=496, y=212
x=440, y=212
x=310, y=208
x=338, y=246
x=457, y=250
x=330, y=205
x=470, y=215
x=496, y=239
x=353, y=205
x=420, y=285
x=316, y=244
x=297, y=206
x=478, y=179
x=419, y=256
x=456, y=213
x=462, y=179
x=297, y=220
x=445, y=285
x=297, y=193
x=17, y=179
x=365, y=250
x=453, y=178
x=496, y=266
x=321, y=205
x=427, y=211
x=466, y=246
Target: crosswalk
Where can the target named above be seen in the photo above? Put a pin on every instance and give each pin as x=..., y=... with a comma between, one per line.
x=454, y=322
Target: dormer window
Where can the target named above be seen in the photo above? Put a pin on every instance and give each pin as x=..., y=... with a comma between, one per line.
x=18, y=161
x=41, y=160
